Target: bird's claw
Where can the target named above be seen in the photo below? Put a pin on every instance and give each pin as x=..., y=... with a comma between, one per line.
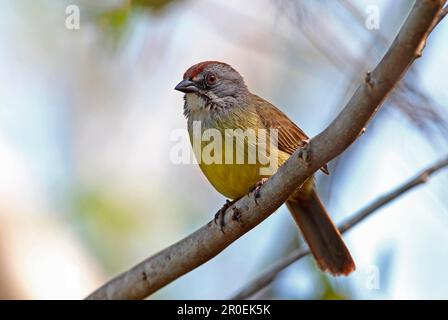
x=236, y=216
x=305, y=151
x=221, y=214
x=256, y=189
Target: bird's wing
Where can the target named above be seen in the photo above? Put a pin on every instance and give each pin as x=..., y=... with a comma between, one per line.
x=290, y=136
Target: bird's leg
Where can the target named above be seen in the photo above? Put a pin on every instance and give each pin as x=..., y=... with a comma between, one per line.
x=305, y=152
x=222, y=212
x=256, y=188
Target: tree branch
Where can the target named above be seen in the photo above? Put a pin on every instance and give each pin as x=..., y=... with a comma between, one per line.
x=268, y=276
x=205, y=243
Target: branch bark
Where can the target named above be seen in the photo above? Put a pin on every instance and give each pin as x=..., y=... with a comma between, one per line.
x=269, y=276
x=205, y=243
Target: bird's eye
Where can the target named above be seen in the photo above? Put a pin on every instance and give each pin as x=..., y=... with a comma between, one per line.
x=211, y=79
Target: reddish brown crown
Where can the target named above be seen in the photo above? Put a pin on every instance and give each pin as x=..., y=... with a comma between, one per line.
x=199, y=67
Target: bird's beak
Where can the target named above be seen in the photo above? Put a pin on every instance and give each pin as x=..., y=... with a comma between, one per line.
x=186, y=86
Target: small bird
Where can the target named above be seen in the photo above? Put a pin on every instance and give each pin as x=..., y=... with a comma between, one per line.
x=217, y=97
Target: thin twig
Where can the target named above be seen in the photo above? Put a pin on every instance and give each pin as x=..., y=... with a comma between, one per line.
x=204, y=244
x=443, y=13
x=269, y=276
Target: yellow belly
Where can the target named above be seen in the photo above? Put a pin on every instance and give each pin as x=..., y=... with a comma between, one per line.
x=232, y=180
x=235, y=178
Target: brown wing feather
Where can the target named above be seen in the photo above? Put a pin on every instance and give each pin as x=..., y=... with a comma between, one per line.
x=290, y=136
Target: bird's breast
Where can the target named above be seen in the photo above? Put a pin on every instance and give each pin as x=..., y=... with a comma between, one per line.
x=230, y=154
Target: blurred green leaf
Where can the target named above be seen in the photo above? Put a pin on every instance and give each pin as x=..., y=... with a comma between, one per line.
x=328, y=291
x=106, y=223
x=115, y=23
x=154, y=5
x=105, y=210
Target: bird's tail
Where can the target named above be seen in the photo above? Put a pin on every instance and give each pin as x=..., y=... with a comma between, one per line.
x=322, y=236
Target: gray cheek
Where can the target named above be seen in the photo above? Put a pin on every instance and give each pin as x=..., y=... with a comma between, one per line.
x=226, y=89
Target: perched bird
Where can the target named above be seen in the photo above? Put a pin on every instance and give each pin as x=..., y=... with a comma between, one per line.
x=217, y=98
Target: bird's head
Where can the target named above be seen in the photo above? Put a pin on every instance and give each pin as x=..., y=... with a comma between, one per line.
x=212, y=86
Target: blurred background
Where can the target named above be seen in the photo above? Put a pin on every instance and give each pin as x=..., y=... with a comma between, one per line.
x=87, y=187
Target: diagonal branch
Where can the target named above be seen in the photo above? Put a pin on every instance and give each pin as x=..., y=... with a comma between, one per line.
x=269, y=276
x=204, y=244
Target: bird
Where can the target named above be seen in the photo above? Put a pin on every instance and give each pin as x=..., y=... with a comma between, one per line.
x=216, y=98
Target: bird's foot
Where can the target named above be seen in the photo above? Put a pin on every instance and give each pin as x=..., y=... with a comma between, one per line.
x=305, y=151
x=220, y=215
x=256, y=189
x=236, y=216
